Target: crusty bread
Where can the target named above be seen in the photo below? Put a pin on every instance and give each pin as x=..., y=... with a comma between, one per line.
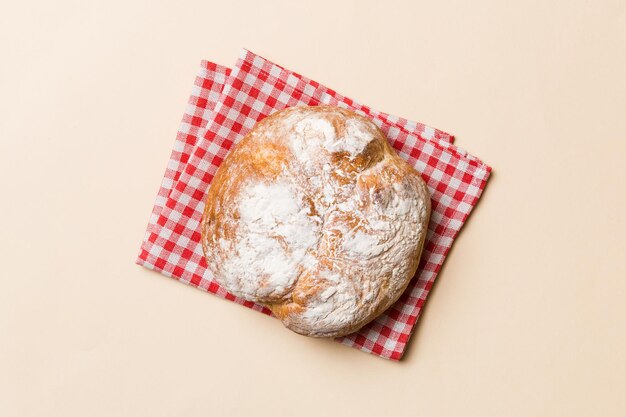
x=314, y=215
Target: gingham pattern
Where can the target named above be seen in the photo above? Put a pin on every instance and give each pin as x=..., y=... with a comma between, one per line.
x=207, y=88
x=257, y=88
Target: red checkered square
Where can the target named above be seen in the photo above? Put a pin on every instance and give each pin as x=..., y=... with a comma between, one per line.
x=206, y=91
x=256, y=88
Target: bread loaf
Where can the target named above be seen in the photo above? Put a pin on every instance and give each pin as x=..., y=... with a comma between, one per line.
x=314, y=215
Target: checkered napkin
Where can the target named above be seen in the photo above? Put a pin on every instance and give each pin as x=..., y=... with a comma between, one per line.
x=224, y=105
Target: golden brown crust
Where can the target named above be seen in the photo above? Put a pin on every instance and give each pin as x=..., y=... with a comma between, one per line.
x=315, y=215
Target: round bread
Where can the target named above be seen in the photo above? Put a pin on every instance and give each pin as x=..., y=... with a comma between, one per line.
x=314, y=215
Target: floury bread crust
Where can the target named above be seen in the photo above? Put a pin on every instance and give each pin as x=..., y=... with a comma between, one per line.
x=314, y=215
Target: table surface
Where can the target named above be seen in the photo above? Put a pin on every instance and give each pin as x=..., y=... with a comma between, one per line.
x=527, y=317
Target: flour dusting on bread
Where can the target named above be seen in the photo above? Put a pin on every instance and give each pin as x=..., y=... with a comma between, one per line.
x=274, y=238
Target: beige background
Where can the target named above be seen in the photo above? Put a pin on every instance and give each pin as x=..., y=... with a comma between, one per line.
x=527, y=317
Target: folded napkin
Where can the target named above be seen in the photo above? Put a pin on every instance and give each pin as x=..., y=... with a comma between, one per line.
x=224, y=105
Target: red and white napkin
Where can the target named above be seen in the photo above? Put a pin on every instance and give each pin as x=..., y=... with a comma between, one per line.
x=224, y=105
